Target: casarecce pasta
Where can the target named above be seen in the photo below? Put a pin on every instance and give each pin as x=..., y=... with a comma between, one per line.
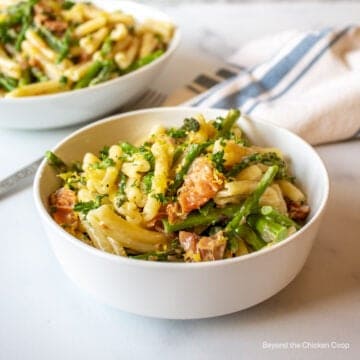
x=49, y=46
x=198, y=192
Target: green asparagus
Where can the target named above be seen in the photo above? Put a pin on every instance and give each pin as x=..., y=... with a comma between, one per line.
x=253, y=200
x=269, y=159
x=93, y=71
x=38, y=74
x=274, y=215
x=245, y=232
x=193, y=151
x=25, y=78
x=144, y=61
x=104, y=74
x=65, y=46
x=269, y=230
x=8, y=83
x=55, y=43
x=230, y=119
x=106, y=47
x=54, y=161
x=213, y=216
x=26, y=22
x=61, y=46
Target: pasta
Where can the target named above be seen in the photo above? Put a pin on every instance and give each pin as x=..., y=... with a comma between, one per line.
x=75, y=44
x=195, y=193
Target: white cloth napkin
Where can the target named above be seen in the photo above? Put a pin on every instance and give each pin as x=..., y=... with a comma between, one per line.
x=306, y=82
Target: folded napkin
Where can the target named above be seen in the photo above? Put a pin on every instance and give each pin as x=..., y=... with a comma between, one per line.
x=306, y=82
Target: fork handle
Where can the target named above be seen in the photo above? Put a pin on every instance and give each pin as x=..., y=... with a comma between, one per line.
x=13, y=180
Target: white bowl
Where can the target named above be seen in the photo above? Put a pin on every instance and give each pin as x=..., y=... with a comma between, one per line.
x=183, y=290
x=91, y=103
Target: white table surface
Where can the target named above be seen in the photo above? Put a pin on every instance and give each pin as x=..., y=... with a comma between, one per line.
x=44, y=316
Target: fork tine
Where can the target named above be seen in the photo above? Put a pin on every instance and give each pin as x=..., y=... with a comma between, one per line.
x=157, y=99
x=150, y=98
x=144, y=99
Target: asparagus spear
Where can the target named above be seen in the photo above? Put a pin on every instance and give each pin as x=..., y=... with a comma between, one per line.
x=38, y=74
x=65, y=46
x=212, y=216
x=55, y=161
x=106, y=46
x=269, y=230
x=51, y=39
x=25, y=78
x=230, y=119
x=26, y=20
x=274, y=215
x=144, y=61
x=90, y=75
x=266, y=159
x=25, y=26
x=8, y=83
x=245, y=232
x=104, y=73
x=61, y=46
x=193, y=151
x=253, y=200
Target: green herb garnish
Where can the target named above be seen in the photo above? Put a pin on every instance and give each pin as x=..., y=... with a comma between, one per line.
x=85, y=206
x=218, y=160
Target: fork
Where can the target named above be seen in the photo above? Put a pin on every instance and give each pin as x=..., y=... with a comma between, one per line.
x=151, y=98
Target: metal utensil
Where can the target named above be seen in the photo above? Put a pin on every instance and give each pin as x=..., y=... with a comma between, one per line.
x=15, y=179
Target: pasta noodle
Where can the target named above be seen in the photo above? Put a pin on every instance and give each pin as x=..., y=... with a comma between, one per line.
x=198, y=192
x=77, y=44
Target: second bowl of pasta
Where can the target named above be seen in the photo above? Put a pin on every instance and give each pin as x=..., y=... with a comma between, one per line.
x=63, y=63
x=219, y=211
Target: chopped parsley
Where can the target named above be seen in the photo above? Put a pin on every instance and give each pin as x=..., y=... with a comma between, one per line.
x=148, y=155
x=218, y=160
x=128, y=149
x=218, y=123
x=103, y=164
x=106, y=161
x=72, y=179
x=121, y=195
x=147, y=181
x=85, y=206
x=161, y=198
x=190, y=124
x=176, y=133
x=104, y=152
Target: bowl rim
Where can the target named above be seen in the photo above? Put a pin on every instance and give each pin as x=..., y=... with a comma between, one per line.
x=174, y=44
x=171, y=265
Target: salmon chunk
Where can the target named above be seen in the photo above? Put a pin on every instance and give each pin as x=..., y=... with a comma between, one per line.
x=205, y=248
x=212, y=247
x=201, y=184
x=297, y=210
x=188, y=240
x=62, y=202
